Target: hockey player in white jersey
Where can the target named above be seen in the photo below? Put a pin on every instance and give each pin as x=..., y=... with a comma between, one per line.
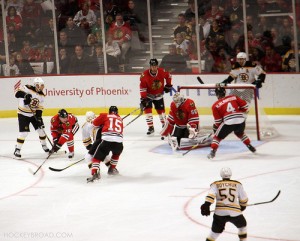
x=231, y=201
x=89, y=131
x=245, y=72
x=30, y=110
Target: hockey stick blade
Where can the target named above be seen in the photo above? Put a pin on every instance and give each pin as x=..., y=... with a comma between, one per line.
x=59, y=170
x=253, y=204
x=200, y=80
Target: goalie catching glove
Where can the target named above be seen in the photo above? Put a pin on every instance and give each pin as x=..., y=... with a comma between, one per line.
x=193, y=132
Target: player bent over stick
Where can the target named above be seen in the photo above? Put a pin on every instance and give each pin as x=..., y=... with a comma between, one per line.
x=112, y=141
x=231, y=200
x=229, y=116
x=183, y=125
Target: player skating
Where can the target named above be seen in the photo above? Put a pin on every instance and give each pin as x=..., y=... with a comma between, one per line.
x=229, y=116
x=231, y=200
x=153, y=83
x=245, y=72
x=182, y=124
x=112, y=141
x=64, y=126
x=30, y=110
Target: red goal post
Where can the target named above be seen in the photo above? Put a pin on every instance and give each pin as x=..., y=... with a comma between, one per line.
x=206, y=93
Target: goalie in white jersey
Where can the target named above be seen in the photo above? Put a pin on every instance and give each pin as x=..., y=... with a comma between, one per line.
x=231, y=200
x=30, y=109
x=245, y=72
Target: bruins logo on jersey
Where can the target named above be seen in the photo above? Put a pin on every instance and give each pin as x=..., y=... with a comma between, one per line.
x=180, y=115
x=244, y=77
x=35, y=102
x=156, y=85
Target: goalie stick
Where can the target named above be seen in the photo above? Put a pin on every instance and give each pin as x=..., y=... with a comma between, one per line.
x=59, y=170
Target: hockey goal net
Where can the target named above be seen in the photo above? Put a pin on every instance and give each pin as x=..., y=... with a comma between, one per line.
x=257, y=123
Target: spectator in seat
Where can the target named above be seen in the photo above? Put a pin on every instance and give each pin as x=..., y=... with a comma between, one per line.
x=31, y=11
x=17, y=4
x=11, y=69
x=182, y=45
x=81, y=63
x=112, y=48
x=110, y=12
x=23, y=65
x=289, y=59
x=28, y=53
x=183, y=27
x=173, y=62
x=121, y=33
x=272, y=61
x=222, y=61
x=97, y=30
x=90, y=44
x=14, y=18
x=234, y=16
x=47, y=33
x=85, y=18
x=64, y=61
x=64, y=42
x=30, y=32
x=75, y=34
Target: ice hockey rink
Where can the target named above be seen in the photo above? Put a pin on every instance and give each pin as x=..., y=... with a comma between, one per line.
x=158, y=193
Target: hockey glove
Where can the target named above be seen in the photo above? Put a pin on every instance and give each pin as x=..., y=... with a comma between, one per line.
x=40, y=122
x=258, y=83
x=27, y=99
x=88, y=147
x=192, y=132
x=144, y=102
x=55, y=148
x=205, y=209
x=243, y=208
x=167, y=88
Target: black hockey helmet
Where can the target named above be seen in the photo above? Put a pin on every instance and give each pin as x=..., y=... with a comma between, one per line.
x=63, y=113
x=113, y=109
x=153, y=62
x=220, y=91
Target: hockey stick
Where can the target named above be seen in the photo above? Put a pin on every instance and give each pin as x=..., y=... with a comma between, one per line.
x=132, y=112
x=259, y=203
x=253, y=204
x=200, y=80
x=40, y=127
x=133, y=119
x=59, y=170
x=40, y=165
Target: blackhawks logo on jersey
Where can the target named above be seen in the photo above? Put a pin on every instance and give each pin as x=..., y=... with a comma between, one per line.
x=180, y=114
x=156, y=84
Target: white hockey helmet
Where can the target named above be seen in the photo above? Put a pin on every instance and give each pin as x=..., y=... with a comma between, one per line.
x=38, y=83
x=241, y=58
x=90, y=116
x=226, y=173
x=178, y=99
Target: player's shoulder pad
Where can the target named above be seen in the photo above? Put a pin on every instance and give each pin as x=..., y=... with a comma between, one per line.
x=250, y=64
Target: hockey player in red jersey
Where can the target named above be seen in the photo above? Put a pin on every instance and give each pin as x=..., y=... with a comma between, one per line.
x=112, y=141
x=183, y=125
x=30, y=110
x=64, y=126
x=153, y=83
x=229, y=116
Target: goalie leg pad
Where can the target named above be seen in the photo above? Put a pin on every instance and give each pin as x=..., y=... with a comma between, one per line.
x=167, y=129
x=187, y=143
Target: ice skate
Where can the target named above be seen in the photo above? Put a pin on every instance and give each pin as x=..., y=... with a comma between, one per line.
x=17, y=153
x=95, y=177
x=251, y=148
x=212, y=154
x=150, y=130
x=71, y=155
x=45, y=148
x=112, y=171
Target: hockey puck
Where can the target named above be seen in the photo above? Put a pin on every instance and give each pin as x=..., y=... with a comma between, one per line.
x=162, y=138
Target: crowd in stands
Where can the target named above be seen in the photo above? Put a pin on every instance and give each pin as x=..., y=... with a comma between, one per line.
x=31, y=33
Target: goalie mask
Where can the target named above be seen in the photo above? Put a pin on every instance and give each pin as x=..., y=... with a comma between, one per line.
x=38, y=83
x=178, y=99
x=226, y=173
x=241, y=58
x=90, y=116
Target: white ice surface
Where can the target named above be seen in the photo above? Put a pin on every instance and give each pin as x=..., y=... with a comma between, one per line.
x=157, y=195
